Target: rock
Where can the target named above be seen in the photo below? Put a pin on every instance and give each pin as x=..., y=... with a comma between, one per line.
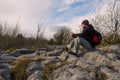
x=41, y=53
x=3, y=52
x=56, y=74
x=111, y=74
x=5, y=73
x=33, y=67
x=1, y=78
x=115, y=77
x=5, y=66
x=55, y=47
x=99, y=58
x=24, y=51
x=118, y=51
x=20, y=52
x=112, y=48
x=52, y=59
x=35, y=76
x=72, y=59
x=68, y=72
x=15, y=54
x=0, y=50
x=33, y=55
x=87, y=65
x=54, y=53
x=64, y=56
x=44, y=49
x=6, y=58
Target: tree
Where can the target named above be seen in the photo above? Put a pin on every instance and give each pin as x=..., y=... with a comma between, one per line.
x=51, y=42
x=109, y=22
x=40, y=37
x=62, y=36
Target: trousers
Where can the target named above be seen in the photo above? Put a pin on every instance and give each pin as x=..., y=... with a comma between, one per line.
x=76, y=42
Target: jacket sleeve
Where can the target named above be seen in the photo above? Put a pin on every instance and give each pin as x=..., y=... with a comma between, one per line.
x=86, y=32
x=83, y=34
x=76, y=35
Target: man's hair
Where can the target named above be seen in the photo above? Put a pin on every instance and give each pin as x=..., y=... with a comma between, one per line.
x=86, y=22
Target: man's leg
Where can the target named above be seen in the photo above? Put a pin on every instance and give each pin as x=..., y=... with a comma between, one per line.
x=71, y=44
x=76, y=42
x=86, y=44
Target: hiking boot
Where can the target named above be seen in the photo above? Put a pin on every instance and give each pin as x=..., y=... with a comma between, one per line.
x=72, y=53
x=65, y=49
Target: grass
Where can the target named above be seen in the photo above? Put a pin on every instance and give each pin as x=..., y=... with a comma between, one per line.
x=50, y=67
x=38, y=59
x=10, y=50
x=19, y=71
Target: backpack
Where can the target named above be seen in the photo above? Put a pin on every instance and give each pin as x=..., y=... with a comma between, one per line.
x=97, y=38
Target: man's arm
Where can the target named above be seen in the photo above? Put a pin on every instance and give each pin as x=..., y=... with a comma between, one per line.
x=76, y=35
x=83, y=34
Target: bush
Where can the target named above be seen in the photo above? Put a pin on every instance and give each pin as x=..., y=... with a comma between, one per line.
x=11, y=50
x=12, y=38
x=18, y=73
x=61, y=36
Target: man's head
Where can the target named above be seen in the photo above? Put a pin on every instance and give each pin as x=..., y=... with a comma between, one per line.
x=85, y=23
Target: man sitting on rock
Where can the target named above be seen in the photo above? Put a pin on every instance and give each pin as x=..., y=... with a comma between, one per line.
x=87, y=39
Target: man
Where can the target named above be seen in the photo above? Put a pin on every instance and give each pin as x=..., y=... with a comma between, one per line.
x=84, y=39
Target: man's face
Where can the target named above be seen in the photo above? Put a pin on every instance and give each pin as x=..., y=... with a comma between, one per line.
x=84, y=25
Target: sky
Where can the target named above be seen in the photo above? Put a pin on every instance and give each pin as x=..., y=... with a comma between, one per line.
x=53, y=13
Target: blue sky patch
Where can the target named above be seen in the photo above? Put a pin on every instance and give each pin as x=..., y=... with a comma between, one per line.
x=61, y=12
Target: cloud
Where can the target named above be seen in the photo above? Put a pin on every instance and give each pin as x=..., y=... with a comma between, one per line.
x=29, y=12
x=66, y=4
x=28, y=7
x=72, y=17
x=54, y=13
x=75, y=23
x=69, y=2
x=73, y=9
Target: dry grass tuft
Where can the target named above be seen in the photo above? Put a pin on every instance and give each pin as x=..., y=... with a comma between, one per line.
x=10, y=50
x=50, y=67
x=38, y=59
x=19, y=72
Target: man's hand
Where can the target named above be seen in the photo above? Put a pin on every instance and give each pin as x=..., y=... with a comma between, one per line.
x=71, y=33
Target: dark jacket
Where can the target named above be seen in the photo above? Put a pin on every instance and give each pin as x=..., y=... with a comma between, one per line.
x=87, y=34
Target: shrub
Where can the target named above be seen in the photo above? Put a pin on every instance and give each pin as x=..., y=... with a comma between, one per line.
x=10, y=50
x=10, y=37
x=19, y=72
x=61, y=36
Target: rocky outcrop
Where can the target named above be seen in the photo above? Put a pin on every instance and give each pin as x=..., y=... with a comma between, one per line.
x=53, y=63
x=35, y=76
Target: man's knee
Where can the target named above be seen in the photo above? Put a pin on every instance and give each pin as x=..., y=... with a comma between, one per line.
x=77, y=38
